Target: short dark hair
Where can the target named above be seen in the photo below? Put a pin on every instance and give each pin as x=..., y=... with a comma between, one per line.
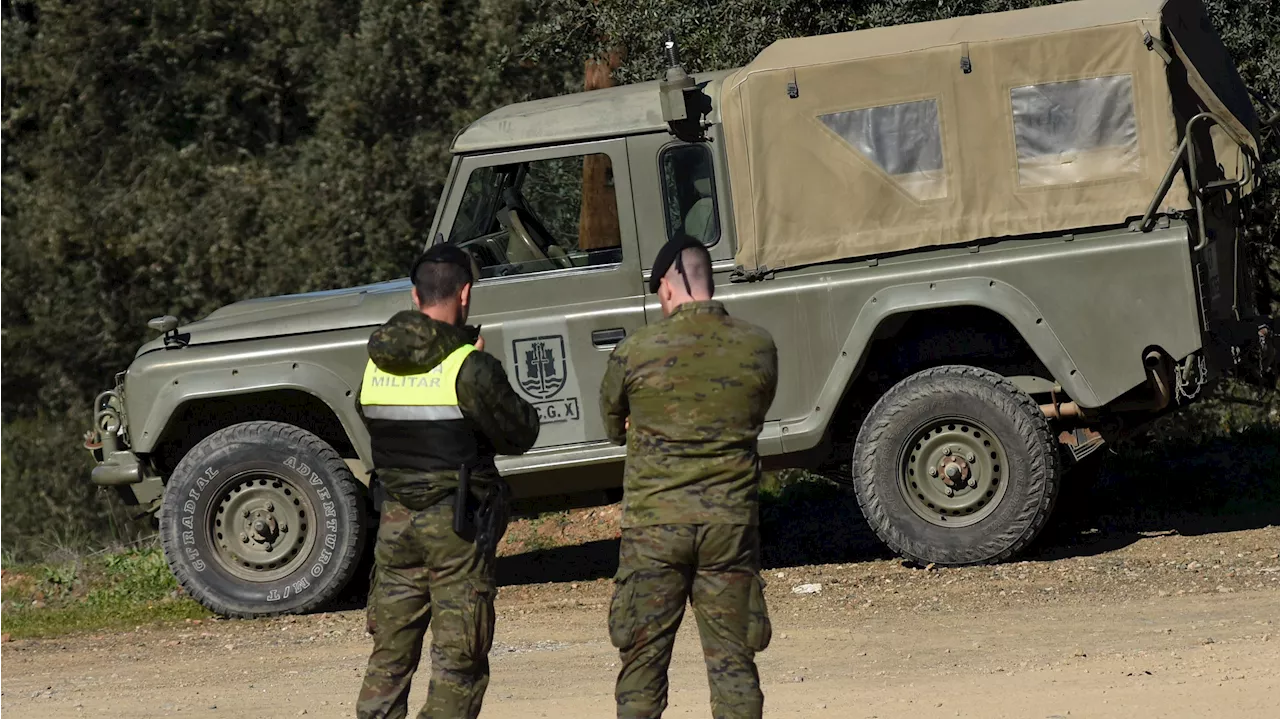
x=440, y=273
x=696, y=263
x=692, y=255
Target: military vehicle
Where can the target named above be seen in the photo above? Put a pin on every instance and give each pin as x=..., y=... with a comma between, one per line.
x=983, y=245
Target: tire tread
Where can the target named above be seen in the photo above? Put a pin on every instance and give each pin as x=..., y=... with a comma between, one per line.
x=346, y=492
x=1033, y=429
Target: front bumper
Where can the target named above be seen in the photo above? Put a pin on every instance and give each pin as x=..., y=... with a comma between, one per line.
x=108, y=443
x=130, y=475
x=117, y=469
x=117, y=466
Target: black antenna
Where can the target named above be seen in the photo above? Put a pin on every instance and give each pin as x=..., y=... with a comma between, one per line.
x=673, y=49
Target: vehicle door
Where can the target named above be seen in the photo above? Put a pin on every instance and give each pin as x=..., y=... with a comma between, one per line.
x=552, y=235
x=683, y=189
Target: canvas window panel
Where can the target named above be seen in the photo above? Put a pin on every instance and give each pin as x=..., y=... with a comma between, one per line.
x=1075, y=131
x=904, y=140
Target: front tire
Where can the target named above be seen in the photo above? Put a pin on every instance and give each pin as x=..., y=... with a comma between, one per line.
x=263, y=518
x=955, y=465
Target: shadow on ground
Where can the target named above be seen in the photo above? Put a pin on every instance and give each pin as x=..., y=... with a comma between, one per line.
x=573, y=563
x=1191, y=488
x=1173, y=486
x=810, y=521
x=1222, y=484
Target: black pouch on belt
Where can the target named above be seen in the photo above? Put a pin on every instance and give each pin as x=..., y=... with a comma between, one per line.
x=377, y=493
x=491, y=517
x=463, y=526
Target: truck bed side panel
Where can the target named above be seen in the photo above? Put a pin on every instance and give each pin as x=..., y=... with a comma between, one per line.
x=1087, y=305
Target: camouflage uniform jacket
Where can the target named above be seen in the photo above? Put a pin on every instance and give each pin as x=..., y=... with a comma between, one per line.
x=412, y=343
x=696, y=387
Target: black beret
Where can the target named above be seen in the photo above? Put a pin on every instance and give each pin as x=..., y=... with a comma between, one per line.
x=447, y=254
x=667, y=256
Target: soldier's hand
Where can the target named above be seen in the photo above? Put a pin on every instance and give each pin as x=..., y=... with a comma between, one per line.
x=480, y=344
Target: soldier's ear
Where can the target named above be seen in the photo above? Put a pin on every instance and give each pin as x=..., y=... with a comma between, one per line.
x=465, y=295
x=664, y=290
x=416, y=302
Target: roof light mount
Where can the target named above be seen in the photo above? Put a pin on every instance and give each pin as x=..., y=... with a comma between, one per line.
x=684, y=104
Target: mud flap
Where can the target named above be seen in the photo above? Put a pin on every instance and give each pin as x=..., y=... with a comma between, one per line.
x=1080, y=442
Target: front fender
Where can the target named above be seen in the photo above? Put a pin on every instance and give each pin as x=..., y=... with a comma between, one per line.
x=327, y=367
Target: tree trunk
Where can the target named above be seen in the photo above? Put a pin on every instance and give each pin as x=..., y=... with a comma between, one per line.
x=598, y=221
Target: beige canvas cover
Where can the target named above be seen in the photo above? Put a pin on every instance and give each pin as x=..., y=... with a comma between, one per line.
x=879, y=141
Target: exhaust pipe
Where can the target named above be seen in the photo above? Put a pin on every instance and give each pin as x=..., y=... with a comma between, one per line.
x=1159, y=378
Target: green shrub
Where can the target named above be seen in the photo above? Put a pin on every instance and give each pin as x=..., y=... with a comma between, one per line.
x=92, y=592
x=50, y=508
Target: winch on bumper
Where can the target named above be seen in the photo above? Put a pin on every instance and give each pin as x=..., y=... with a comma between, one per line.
x=117, y=466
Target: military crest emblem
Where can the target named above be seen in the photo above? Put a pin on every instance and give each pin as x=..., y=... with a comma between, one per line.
x=541, y=369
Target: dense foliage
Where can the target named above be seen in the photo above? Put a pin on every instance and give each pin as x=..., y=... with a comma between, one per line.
x=172, y=156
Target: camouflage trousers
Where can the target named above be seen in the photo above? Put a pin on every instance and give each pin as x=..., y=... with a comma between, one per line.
x=715, y=567
x=427, y=575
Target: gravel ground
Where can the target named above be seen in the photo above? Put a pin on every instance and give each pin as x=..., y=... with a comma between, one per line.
x=1096, y=624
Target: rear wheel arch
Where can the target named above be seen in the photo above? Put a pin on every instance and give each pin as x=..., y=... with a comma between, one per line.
x=916, y=339
x=907, y=329
x=970, y=300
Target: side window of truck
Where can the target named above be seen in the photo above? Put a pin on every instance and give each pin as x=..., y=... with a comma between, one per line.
x=1076, y=131
x=539, y=216
x=904, y=140
x=689, y=193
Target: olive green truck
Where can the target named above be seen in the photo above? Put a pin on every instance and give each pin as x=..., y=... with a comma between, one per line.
x=983, y=246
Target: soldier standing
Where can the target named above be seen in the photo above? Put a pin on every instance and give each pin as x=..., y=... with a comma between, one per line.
x=438, y=409
x=688, y=395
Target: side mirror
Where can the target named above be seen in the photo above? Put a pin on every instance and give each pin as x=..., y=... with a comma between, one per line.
x=163, y=324
x=169, y=326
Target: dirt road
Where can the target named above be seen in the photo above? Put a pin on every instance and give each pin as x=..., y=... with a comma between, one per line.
x=1167, y=626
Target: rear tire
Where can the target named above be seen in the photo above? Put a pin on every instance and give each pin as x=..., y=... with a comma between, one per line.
x=977, y=431
x=263, y=518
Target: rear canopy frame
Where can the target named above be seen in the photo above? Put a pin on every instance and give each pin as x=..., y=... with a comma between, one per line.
x=805, y=127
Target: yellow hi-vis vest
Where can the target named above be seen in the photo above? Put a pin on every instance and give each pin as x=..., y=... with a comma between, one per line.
x=431, y=395
x=415, y=422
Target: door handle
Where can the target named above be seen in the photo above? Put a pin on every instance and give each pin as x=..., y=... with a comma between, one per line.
x=605, y=338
